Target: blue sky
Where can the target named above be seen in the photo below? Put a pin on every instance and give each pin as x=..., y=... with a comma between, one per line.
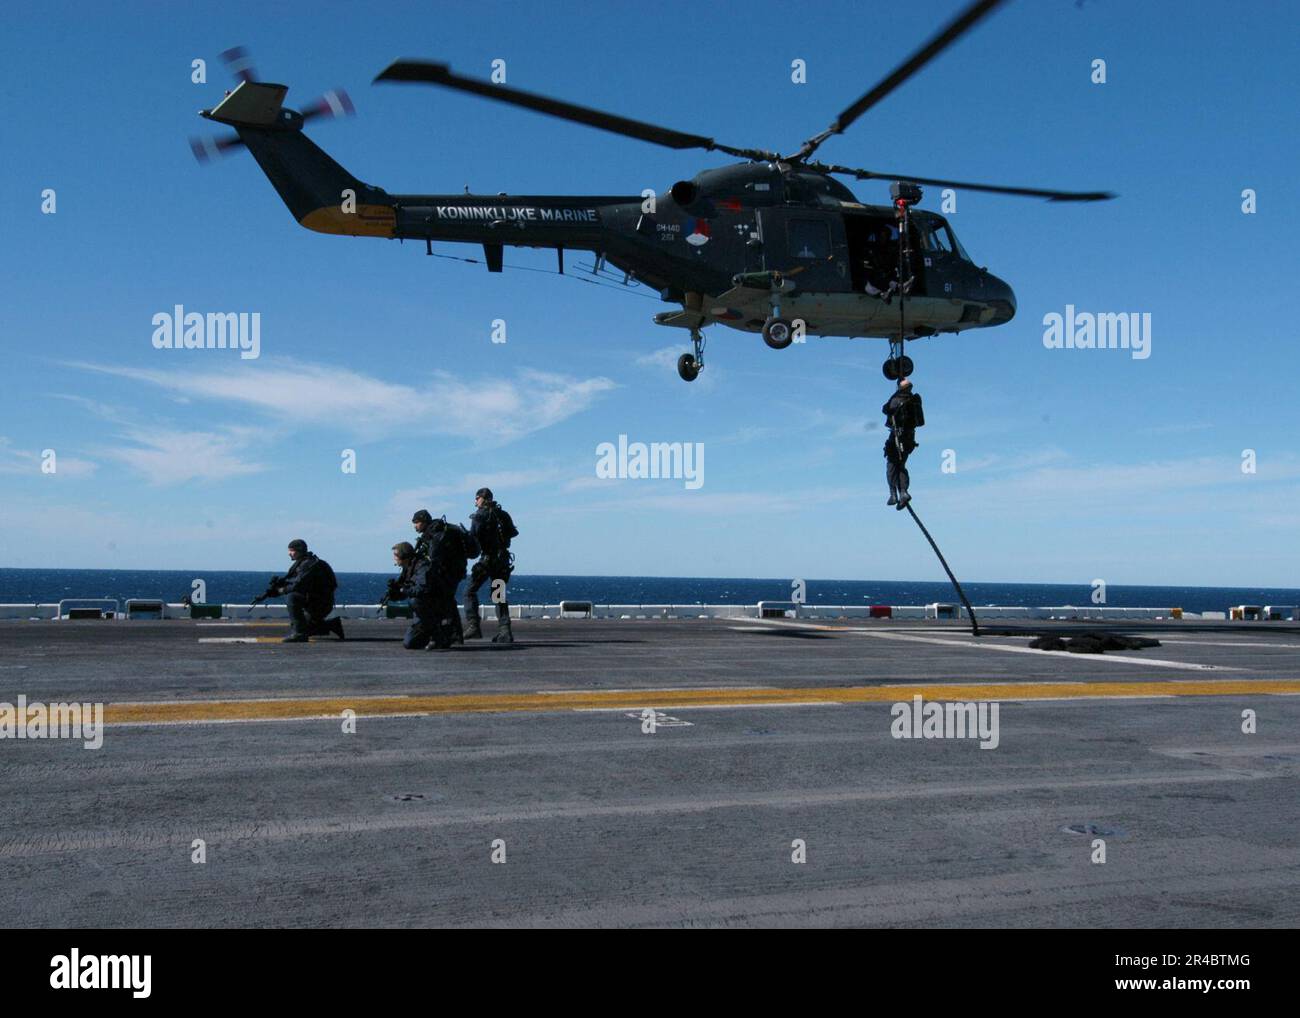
x=1071, y=464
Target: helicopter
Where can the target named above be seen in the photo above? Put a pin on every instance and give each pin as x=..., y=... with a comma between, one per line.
x=774, y=245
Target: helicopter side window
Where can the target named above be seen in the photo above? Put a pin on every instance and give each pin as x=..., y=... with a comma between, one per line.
x=810, y=239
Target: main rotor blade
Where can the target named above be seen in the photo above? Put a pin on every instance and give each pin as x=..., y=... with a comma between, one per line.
x=425, y=72
x=945, y=38
x=1032, y=192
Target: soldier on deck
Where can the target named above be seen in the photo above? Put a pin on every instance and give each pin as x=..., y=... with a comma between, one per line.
x=493, y=529
x=308, y=590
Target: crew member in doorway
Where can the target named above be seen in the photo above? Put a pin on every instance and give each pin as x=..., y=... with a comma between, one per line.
x=903, y=415
x=881, y=261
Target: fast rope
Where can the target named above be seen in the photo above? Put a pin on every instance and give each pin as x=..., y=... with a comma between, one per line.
x=974, y=622
x=904, y=267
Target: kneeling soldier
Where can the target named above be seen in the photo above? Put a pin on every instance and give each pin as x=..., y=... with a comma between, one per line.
x=419, y=583
x=308, y=590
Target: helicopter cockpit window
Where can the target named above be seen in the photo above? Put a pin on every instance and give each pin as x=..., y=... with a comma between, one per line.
x=961, y=251
x=810, y=239
x=934, y=237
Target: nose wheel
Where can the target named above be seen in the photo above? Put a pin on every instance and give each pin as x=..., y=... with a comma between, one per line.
x=689, y=365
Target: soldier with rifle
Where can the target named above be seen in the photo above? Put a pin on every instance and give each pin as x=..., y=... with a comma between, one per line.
x=418, y=582
x=493, y=529
x=308, y=590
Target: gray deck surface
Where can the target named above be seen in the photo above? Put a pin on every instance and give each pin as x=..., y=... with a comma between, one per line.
x=605, y=825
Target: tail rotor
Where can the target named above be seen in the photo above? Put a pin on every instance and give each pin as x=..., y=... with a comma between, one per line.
x=333, y=104
x=208, y=149
x=239, y=63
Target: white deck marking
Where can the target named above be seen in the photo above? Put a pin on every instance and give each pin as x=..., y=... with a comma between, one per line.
x=712, y=706
x=1235, y=643
x=1059, y=654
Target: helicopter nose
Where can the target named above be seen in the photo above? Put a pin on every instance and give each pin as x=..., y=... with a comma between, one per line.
x=1003, y=299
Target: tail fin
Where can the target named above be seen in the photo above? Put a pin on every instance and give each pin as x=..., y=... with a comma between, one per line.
x=320, y=193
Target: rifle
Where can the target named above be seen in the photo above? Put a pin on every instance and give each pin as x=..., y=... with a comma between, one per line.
x=272, y=590
x=394, y=592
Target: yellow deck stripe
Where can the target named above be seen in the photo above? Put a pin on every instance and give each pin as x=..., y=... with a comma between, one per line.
x=378, y=706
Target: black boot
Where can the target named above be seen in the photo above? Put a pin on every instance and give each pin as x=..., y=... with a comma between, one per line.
x=473, y=628
x=503, y=632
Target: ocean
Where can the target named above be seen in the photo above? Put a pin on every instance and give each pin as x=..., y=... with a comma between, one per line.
x=46, y=586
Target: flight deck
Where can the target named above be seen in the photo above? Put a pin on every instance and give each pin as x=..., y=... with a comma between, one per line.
x=702, y=772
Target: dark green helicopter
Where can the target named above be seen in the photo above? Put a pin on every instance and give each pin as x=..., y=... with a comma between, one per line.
x=774, y=245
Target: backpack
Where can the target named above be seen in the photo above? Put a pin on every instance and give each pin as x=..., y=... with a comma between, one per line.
x=907, y=413
x=504, y=524
x=455, y=548
x=328, y=582
x=472, y=549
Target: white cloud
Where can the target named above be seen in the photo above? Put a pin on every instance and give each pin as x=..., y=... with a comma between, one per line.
x=174, y=457
x=459, y=495
x=488, y=411
x=29, y=461
x=664, y=361
x=1078, y=495
x=664, y=357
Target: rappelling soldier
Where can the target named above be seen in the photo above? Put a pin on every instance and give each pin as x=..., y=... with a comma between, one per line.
x=903, y=415
x=493, y=529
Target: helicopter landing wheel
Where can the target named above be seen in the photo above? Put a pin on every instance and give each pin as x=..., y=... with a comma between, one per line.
x=778, y=333
x=898, y=367
x=689, y=365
